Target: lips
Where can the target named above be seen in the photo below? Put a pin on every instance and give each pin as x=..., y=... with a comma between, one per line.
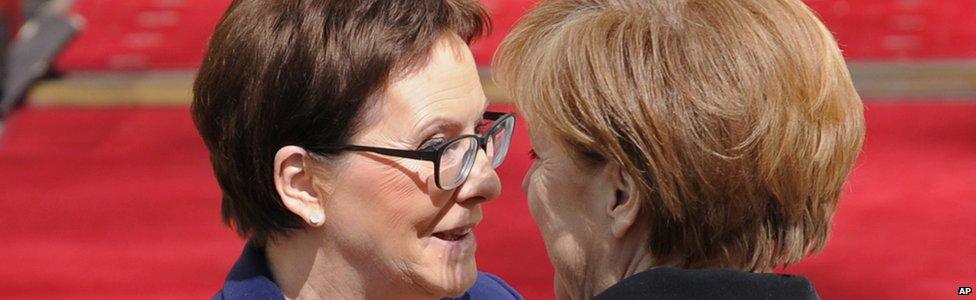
x=456, y=229
x=454, y=234
x=455, y=241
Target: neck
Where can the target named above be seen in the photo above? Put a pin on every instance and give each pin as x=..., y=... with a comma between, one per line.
x=306, y=267
x=632, y=258
x=639, y=263
x=296, y=262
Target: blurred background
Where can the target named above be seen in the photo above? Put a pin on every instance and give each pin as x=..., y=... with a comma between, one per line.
x=106, y=190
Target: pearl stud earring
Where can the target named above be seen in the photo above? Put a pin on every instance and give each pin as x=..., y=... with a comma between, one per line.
x=315, y=219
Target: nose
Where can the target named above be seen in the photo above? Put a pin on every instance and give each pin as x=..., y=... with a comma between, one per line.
x=482, y=184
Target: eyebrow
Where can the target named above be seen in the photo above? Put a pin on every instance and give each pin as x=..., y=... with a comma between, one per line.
x=439, y=124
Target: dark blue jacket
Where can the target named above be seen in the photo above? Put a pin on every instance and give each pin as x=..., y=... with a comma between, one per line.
x=250, y=278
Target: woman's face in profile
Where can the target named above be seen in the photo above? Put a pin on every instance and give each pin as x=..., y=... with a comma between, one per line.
x=386, y=213
x=565, y=201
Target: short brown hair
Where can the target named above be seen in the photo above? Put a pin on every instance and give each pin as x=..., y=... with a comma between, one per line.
x=301, y=72
x=737, y=118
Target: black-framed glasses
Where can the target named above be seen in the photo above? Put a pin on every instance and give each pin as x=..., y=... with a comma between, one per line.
x=454, y=159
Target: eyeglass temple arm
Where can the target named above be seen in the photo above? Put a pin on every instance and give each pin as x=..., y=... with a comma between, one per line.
x=492, y=115
x=422, y=155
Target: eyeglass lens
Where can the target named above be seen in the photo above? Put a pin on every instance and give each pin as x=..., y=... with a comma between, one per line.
x=458, y=158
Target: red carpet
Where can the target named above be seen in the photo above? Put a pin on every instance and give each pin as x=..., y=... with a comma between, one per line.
x=117, y=203
x=155, y=34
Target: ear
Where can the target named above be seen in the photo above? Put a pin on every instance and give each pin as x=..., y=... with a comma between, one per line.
x=293, y=180
x=625, y=205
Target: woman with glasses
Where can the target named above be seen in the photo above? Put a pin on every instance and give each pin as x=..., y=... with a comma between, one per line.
x=352, y=147
x=715, y=136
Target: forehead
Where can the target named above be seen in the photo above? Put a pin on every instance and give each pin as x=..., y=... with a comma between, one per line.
x=447, y=87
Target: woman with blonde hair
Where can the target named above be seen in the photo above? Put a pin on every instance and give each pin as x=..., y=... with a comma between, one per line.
x=682, y=148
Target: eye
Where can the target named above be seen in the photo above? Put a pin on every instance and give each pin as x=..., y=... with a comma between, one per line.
x=431, y=144
x=533, y=155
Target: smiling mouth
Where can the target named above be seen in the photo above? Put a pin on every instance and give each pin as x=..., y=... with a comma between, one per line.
x=453, y=235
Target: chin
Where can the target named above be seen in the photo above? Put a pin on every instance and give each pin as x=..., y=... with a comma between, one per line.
x=455, y=279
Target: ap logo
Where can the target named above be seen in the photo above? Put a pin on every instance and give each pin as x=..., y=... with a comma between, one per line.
x=966, y=290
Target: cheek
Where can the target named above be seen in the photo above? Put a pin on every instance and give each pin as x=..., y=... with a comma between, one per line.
x=386, y=223
x=535, y=189
x=527, y=179
x=381, y=206
x=551, y=197
x=547, y=199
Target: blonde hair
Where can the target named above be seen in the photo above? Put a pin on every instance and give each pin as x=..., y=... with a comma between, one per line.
x=736, y=118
